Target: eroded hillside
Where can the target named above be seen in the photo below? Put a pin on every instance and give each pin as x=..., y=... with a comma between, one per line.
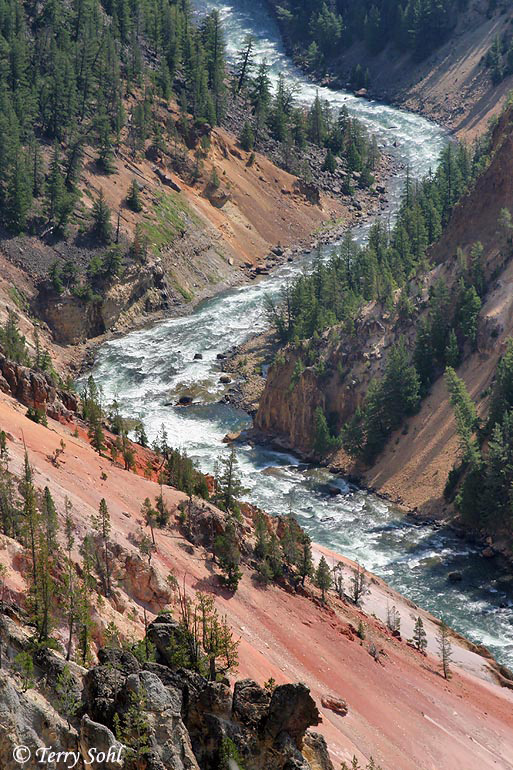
x=412, y=468
x=284, y=634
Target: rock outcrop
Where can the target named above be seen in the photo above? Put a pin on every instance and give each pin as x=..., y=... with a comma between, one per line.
x=191, y=720
x=140, y=289
x=35, y=389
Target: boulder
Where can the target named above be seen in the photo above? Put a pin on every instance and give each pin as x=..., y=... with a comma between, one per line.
x=455, y=577
x=337, y=705
x=52, y=667
x=35, y=389
x=157, y=698
x=169, y=744
x=142, y=582
x=215, y=698
x=102, y=685
x=29, y=720
x=224, y=379
x=120, y=659
x=309, y=191
x=250, y=702
x=316, y=752
x=292, y=710
x=167, y=179
x=165, y=633
x=231, y=437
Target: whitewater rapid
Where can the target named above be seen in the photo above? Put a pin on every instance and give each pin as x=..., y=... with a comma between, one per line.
x=148, y=370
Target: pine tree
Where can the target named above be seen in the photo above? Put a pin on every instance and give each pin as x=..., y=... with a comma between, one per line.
x=58, y=201
x=70, y=580
x=229, y=484
x=338, y=579
x=317, y=127
x=465, y=415
x=24, y=664
x=452, y=351
x=31, y=524
x=133, y=729
x=102, y=227
x=290, y=540
x=468, y=313
x=217, y=639
x=275, y=557
x=84, y=602
x=150, y=516
x=127, y=452
x=502, y=394
x=305, y=562
x=419, y=635
x=444, y=649
x=359, y=584
x=226, y=549
x=102, y=525
x=47, y=553
x=244, y=65
x=261, y=95
x=324, y=442
x=96, y=435
x=261, y=536
x=18, y=198
x=68, y=695
x=322, y=578
x=247, y=137
x=330, y=164
x=133, y=198
x=12, y=342
x=393, y=619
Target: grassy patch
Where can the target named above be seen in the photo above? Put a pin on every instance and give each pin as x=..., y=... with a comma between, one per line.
x=329, y=225
x=167, y=222
x=18, y=298
x=185, y=294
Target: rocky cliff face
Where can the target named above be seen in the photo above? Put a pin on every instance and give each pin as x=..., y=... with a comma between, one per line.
x=188, y=723
x=141, y=289
x=35, y=389
x=288, y=404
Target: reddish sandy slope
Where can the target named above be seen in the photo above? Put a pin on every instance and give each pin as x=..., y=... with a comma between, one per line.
x=400, y=710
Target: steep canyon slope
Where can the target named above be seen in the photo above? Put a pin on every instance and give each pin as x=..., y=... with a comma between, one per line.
x=399, y=709
x=413, y=467
x=450, y=83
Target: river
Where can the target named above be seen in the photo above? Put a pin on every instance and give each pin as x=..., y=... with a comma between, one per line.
x=148, y=369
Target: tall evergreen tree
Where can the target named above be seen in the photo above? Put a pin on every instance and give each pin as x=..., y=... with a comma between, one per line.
x=323, y=579
x=102, y=227
x=102, y=525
